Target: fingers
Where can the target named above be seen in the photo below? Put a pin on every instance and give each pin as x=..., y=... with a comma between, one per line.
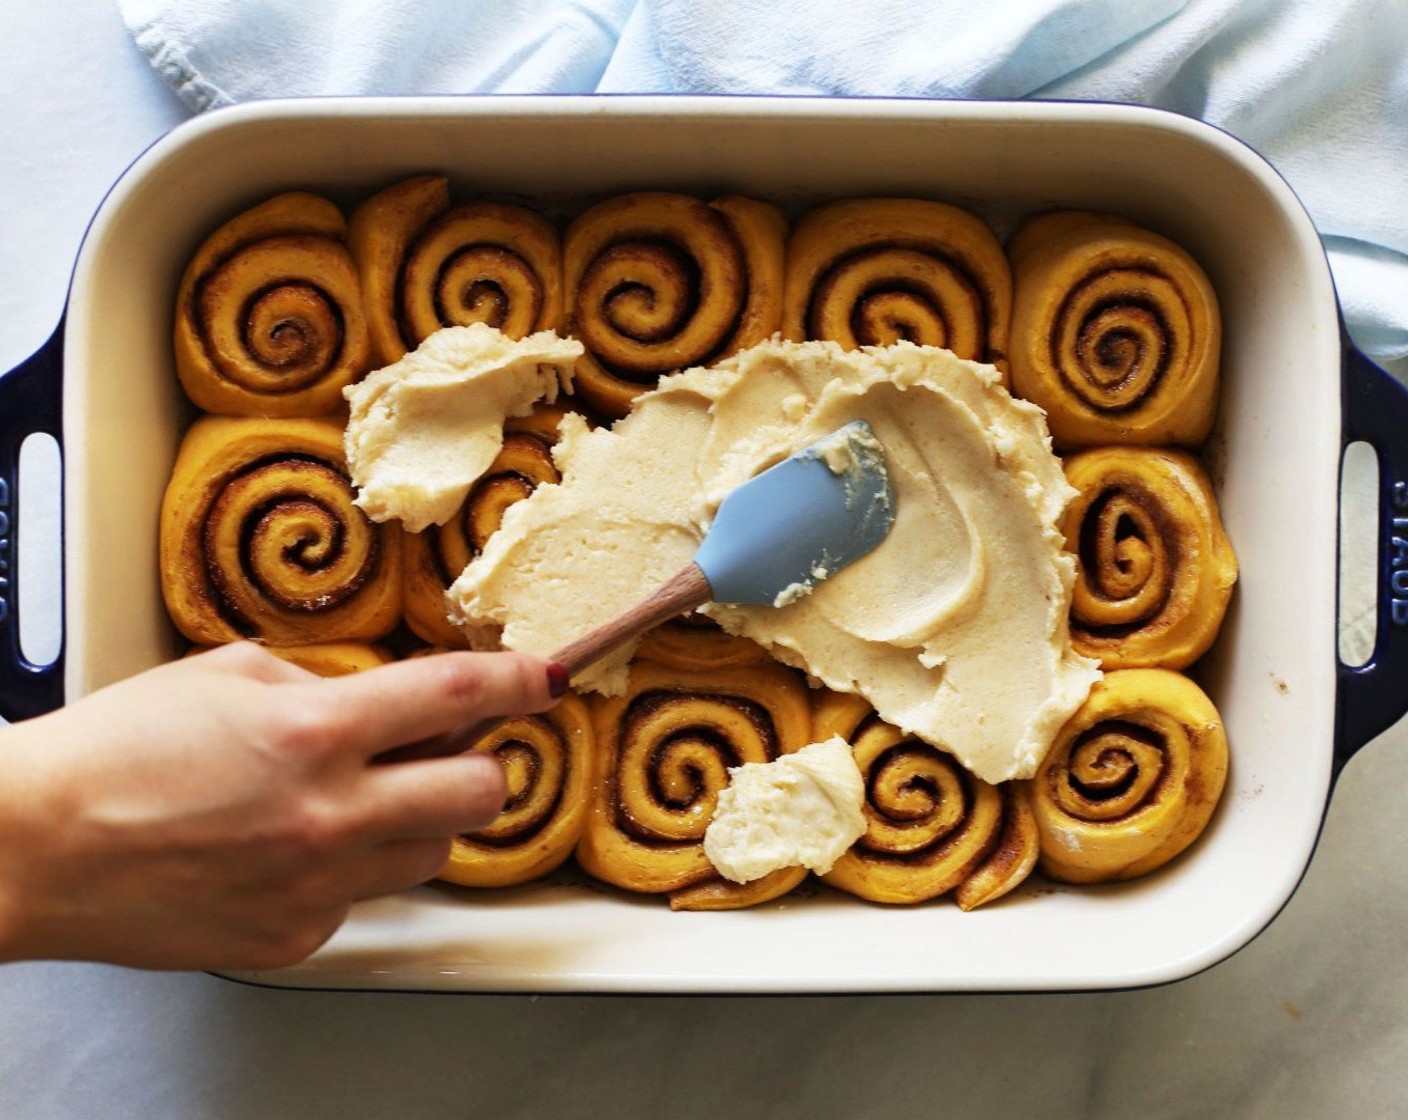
x=399, y=865
x=399, y=830
x=420, y=697
x=439, y=797
x=249, y=659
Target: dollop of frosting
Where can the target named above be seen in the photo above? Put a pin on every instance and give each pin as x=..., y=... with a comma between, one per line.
x=422, y=430
x=800, y=810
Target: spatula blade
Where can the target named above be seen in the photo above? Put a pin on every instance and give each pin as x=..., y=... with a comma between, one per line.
x=801, y=521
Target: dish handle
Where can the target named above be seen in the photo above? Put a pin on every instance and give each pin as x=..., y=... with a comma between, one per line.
x=31, y=402
x=1372, y=697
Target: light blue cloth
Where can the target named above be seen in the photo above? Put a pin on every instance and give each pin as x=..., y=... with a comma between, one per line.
x=1319, y=87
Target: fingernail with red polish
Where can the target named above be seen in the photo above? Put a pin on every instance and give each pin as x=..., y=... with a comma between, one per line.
x=558, y=679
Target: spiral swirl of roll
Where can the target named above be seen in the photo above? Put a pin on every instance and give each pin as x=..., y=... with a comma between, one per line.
x=1013, y=856
x=435, y=557
x=1155, y=567
x=875, y=271
x=657, y=282
x=1116, y=332
x=930, y=824
x=259, y=538
x=664, y=749
x=269, y=313
x=547, y=763
x=425, y=265
x=1132, y=779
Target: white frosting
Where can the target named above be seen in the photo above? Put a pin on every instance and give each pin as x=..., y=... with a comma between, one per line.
x=423, y=430
x=800, y=810
x=954, y=628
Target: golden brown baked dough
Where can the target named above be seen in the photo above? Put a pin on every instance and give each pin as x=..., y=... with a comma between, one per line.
x=335, y=659
x=664, y=748
x=873, y=271
x=655, y=282
x=547, y=760
x=931, y=825
x=1013, y=856
x=1116, y=332
x=1131, y=780
x=1156, y=569
x=259, y=538
x=425, y=265
x=269, y=313
x=434, y=558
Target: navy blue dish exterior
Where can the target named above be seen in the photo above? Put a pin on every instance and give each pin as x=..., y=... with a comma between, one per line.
x=31, y=402
x=1372, y=697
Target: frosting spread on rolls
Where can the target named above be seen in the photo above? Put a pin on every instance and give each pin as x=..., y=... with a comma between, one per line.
x=954, y=628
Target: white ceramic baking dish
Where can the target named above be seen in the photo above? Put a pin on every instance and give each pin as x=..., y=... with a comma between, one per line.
x=1294, y=394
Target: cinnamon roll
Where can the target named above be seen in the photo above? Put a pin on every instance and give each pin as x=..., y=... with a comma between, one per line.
x=425, y=265
x=547, y=760
x=259, y=538
x=664, y=748
x=335, y=659
x=1116, y=332
x=435, y=557
x=1132, y=778
x=1155, y=569
x=1012, y=858
x=269, y=313
x=931, y=825
x=655, y=282
x=875, y=271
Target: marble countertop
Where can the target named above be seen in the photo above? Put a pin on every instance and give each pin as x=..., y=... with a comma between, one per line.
x=1309, y=1020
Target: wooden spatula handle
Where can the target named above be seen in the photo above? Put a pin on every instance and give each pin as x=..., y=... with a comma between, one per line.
x=683, y=592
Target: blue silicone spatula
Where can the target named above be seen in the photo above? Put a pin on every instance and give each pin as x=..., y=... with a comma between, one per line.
x=772, y=539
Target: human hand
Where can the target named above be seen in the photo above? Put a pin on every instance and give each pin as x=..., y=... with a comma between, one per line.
x=225, y=811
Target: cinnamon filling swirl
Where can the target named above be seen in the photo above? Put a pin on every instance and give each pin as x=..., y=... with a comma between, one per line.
x=436, y=556
x=1131, y=780
x=674, y=755
x=929, y=823
x=876, y=271
x=481, y=263
x=1116, y=332
x=1156, y=570
x=656, y=282
x=425, y=265
x=547, y=764
x=665, y=747
x=260, y=538
x=300, y=544
x=269, y=315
